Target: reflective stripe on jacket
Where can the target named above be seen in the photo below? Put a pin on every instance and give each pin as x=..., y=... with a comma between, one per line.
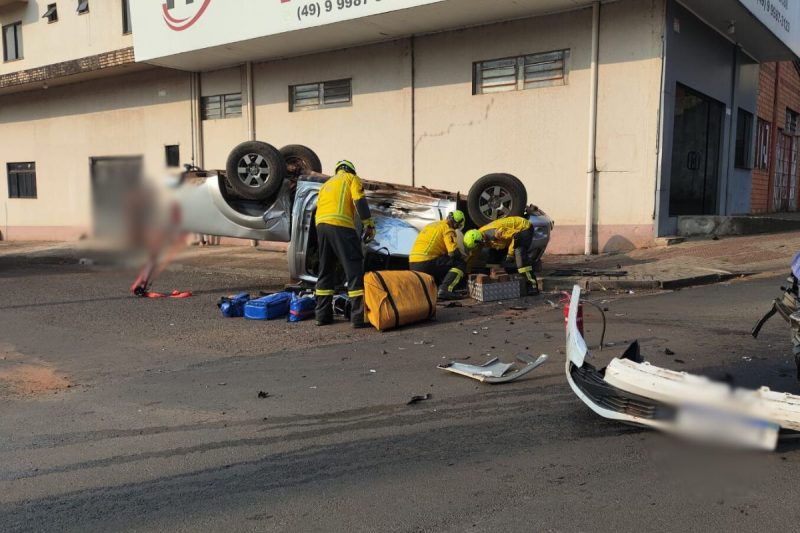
x=500, y=233
x=337, y=197
x=435, y=240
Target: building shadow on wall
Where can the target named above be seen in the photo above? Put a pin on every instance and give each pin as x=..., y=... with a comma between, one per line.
x=617, y=244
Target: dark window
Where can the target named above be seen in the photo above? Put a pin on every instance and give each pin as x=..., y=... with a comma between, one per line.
x=173, y=154
x=83, y=6
x=127, y=23
x=12, y=41
x=221, y=106
x=744, y=138
x=335, y=93
x=51, y=14
x=763, y=131
x=790, y=126
x=519, y=73
x=21, y=180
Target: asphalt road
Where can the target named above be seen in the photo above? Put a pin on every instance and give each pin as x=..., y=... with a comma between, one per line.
x=143, y=415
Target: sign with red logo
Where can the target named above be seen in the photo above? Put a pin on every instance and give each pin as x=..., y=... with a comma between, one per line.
x=166, y=29
x=183, y=15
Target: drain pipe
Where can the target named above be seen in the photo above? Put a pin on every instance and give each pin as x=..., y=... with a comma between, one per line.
x=251, y=110
x=198, y=120
x=591, y=172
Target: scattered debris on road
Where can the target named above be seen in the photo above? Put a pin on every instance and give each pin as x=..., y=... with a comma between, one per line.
x=418, y=399
x=262, y=394
x=494, y=371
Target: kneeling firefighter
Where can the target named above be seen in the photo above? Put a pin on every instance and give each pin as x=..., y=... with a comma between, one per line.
x=341, y=198
x=511, y=239
x=436, y=252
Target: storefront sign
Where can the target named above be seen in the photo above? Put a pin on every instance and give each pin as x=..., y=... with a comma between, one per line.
x=168, y=27
x=782, y=17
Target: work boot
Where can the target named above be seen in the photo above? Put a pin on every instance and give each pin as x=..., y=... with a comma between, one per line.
x=445, y=295
x=357, y=312
x=324, y=310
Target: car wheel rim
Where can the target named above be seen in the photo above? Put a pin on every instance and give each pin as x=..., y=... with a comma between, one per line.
x=253, y=170
x=495, y=202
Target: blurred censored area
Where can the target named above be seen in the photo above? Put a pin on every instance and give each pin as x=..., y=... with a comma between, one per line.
x=132, y=213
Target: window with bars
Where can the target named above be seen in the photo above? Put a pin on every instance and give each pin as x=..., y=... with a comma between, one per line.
x=21, y=180
x=51, y=14
x=335, y=93
x=221, y=106
x=12, y=42
x=520, y=73
x=763, y=130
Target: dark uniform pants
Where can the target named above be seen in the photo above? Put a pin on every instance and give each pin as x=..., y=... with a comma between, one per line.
x=339, y=245
x=523, y=253
x=446, y=270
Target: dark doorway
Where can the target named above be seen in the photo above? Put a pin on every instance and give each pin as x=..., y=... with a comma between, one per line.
x=696, y=137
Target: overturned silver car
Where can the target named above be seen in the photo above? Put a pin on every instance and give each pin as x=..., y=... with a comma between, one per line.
x=268, y=197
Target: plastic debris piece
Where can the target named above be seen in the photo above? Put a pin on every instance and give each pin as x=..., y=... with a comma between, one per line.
x=494, y=371
x=421, y=398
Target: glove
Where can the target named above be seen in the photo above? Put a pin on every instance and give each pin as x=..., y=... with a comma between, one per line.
x=369, y=230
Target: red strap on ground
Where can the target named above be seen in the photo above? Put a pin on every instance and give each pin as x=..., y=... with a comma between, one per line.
x=173, y=294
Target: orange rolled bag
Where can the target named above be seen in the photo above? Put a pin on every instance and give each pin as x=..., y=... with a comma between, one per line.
x=395, y=298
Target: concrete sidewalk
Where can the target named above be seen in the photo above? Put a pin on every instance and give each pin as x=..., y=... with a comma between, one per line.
x=695, y=262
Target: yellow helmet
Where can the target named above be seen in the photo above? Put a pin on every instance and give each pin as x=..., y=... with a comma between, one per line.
x=472, y=239
x=346, y=165
x=457, y=219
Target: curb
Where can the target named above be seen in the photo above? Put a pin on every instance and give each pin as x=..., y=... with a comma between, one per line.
x=594, y=284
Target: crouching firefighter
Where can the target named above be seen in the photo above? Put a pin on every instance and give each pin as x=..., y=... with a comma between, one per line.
x=510, y=239
x=341, y=199
x=436, y=252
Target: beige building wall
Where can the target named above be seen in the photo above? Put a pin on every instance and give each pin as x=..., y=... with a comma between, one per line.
x=440, y=135
x=374, y=132
x=62, y=128
x=541, y=135
x=221, y=135
x=629, y=103
x=74, y=36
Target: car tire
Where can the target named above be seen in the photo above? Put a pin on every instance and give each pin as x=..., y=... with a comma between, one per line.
x=496, y=196
x=256, y=170
x=300, y=160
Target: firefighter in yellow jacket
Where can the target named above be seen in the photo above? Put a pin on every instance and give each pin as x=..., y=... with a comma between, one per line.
x=341, y=199
x=511, y=239
x=436, y=252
